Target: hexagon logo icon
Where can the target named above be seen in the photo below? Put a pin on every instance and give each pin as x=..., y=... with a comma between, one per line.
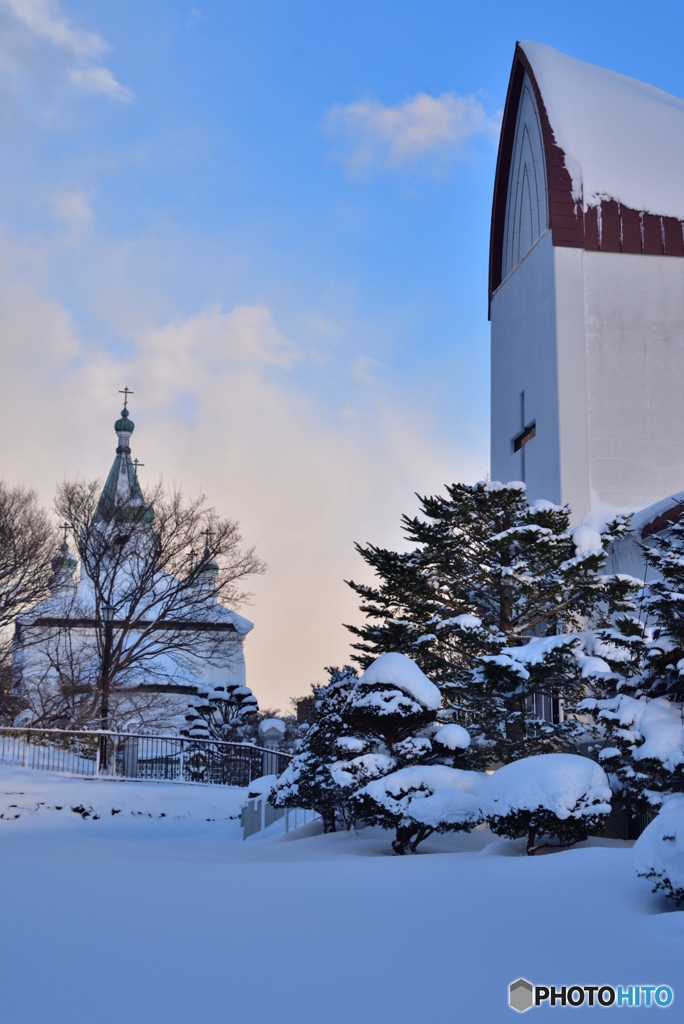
x=521, y=995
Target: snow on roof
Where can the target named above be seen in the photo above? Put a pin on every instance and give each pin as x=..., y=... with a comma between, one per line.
x=667, y=510
x=623, y=139
x=272, y=723
x=403, y=673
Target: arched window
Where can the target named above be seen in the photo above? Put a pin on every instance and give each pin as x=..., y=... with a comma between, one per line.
x=527, y=205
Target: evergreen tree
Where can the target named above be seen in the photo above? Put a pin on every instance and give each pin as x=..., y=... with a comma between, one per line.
x=561, y=797
x=218, y=711
x=394, y=711
x=488, y=573
x=307, y=781
x=638, y=705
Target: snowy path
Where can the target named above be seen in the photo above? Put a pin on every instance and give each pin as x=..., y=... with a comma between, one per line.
x=136, y=919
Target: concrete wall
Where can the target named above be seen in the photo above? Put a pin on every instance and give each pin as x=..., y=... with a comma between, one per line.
x=524, y=359
x=635, y=375
x=572, y=381
x=596, y=342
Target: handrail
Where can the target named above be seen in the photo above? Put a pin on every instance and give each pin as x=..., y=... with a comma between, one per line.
x=101, y=753
x=142, y=736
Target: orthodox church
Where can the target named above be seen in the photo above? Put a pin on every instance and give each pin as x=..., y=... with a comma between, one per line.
x=586, y=289
x=185, y=642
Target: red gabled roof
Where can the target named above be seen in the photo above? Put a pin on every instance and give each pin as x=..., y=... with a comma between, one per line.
x=597, y=222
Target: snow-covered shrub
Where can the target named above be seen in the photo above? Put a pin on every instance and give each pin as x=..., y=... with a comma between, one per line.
x=219, y=711
x=639, y=707
x=562, y=797
x=422, y=799
x=365, y=728
x=392, y=700
x=659, y=850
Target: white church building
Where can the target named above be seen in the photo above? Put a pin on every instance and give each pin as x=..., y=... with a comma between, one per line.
x=586, y=288
x=62, y=637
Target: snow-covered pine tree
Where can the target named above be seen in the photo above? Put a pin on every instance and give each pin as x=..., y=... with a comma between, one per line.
x=639, y=705
x=393, y=711
x=489, y=571
x=421, y=799
x=307, y=781
x=219, y=710
x=562, y=797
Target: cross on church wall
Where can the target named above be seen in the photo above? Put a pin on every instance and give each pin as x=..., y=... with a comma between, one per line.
x=527, y=432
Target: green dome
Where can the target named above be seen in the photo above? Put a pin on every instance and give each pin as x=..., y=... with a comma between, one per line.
x=63, y=560
x=135, y=511
x=125, y=423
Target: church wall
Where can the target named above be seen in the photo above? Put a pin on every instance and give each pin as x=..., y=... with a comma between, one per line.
x=635, y=369
x=572, y=381
x=523, y=316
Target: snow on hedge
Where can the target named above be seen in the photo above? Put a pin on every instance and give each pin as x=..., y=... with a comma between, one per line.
x=654, y=727
x=452, y=736
x=432, y=795
x=659, y=850
x=566, y=785
x=359, y=770
x=398, y=671
x=622, y=139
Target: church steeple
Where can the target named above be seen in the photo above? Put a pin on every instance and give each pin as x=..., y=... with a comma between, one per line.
x=122, y=490
x=63, y=567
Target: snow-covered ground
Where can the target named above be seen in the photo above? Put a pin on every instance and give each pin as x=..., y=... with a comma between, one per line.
x=135, y=917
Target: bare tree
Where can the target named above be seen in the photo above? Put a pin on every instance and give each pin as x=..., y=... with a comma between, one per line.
x=164, y=569
x=28, y=541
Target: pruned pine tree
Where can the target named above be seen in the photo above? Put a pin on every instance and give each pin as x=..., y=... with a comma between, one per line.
x=217, y=712
x=307, y=781
x=638, y=705
x=421, y=799
x=489, y=571
x=393, y=710
x=552, y=799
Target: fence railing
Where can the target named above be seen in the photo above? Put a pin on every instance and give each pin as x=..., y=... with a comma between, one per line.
x=111, y=755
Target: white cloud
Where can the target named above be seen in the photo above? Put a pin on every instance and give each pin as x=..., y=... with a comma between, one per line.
x=74, y=211
x=196, y=17
x=31, y=22
x=304, y=481
x=99, y=80
x=362, y=367
x=420, y=129
x=45, y=21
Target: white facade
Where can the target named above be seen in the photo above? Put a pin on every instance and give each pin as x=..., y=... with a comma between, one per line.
x=587, y=345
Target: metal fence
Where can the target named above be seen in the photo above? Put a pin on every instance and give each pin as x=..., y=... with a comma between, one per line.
x=101, y=754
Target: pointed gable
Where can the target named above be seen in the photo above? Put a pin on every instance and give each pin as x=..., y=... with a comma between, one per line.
x=613, y=151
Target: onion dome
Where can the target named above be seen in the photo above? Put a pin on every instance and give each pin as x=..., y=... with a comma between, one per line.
x=63, y=567
x=125, y=423
x=206, y=571
x=134, y=511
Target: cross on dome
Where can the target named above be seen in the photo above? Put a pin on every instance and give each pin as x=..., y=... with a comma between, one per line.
x=126, y=392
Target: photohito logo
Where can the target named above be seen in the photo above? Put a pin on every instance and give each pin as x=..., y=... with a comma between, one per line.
x=523, y=995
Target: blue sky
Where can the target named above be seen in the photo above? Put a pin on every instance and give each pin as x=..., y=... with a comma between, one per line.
x=270, y=219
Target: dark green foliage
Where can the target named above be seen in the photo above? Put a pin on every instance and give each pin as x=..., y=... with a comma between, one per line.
x=488, y=572
x=642, y=700
x=541, y=823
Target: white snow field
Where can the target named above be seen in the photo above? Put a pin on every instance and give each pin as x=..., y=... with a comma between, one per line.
x=135, y=917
